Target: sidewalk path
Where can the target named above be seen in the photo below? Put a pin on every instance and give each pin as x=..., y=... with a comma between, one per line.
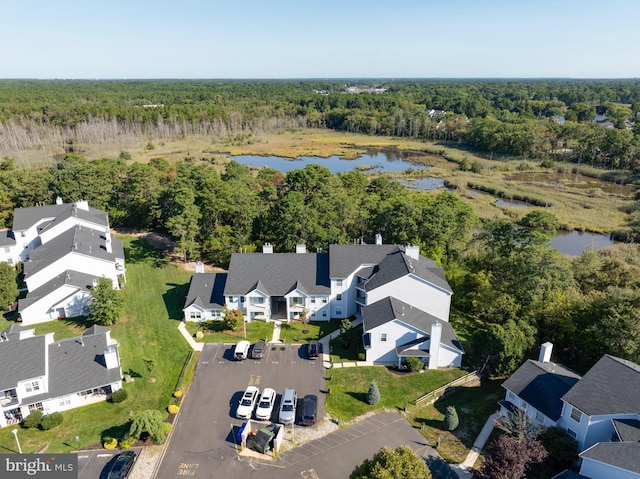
x=196, y=346
x=277, y=327
x=464, y=469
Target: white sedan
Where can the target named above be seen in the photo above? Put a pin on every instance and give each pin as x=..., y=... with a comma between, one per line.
x=265, y=405
x=247, y=403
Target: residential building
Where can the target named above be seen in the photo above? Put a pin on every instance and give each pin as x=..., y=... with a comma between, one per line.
x=65, y=248
x=600, y=410
x=40, y=373
x=374, y=281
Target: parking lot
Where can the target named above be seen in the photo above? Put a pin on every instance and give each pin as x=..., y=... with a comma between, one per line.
x=201, y=444
x=93, y=464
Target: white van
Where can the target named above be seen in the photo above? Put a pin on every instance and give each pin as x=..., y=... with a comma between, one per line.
x=242, y=350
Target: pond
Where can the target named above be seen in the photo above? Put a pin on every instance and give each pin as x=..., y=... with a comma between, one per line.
x=574, y=243
x=378, y=161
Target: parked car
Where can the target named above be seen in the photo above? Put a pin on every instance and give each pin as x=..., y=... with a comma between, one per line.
x=247, y=403
x=265, y=404
x=258, y=350
x=122, y=465
x=309, y=410
x=313, y=349
x=241, y=350
x=287, y=413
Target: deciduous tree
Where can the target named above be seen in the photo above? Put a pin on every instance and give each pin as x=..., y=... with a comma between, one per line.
x=387, y=463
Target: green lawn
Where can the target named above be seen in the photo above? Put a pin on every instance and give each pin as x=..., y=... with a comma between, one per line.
x=214, y=331
x=347, y=347
x=151, y=349
x=301, y=332
x=473, y=404
x=349, y=387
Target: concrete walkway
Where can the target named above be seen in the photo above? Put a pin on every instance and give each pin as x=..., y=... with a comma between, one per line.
x=196, y=346
x=464, y=469
x=277, y=328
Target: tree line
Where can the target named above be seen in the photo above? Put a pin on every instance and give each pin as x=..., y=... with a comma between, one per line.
x=512, y=290
x=514, y=118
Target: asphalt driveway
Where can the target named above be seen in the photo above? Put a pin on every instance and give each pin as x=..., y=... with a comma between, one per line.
x=201, y=444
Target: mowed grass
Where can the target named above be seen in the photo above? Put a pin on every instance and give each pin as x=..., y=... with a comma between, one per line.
x=474, y=405
x=214, y=331
x=151, y=350
x=349, y=387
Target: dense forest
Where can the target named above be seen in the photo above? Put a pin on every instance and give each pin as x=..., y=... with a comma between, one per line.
x=512, y=290
x=529, y=119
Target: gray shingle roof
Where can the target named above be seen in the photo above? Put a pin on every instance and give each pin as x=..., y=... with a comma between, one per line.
x=625, y=455
x=627, y=429
x=206, y=290
x=389, y=309
x=346, y=258
x=610, y=387
x=397, y=264
x=279, y=273
x=84, y=241
x=7, y=238
x=81, y=281
x=24, y=218
x=74, y=367
x=542, y=385
x=21, y=360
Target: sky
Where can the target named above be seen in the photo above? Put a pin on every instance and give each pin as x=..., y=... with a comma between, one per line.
x=125, y=39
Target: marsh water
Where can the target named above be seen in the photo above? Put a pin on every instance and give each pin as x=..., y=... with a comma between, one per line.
x=379, y=160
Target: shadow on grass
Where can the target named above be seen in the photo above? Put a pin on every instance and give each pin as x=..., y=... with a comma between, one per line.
x=359, y=396
x=174, y=300
x=78, y=322
x=118, y=432
x=348, y=346
x=139, y=251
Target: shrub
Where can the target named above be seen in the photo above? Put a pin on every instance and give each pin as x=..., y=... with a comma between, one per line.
x=177, y=394
x=125, y=155
x=373, y=396
x=33, y=420
x=451, y=420
x=127, y=442
x=173, y=409
x=119, y=396
x=414, y=364
x=51, y=420
x=110, y=443
x=167, y=428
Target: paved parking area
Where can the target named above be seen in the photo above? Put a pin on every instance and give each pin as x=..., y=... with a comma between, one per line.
x=201, y=444
x=92, y=464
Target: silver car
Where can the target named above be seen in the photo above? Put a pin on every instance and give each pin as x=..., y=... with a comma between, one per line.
x=288, y=407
